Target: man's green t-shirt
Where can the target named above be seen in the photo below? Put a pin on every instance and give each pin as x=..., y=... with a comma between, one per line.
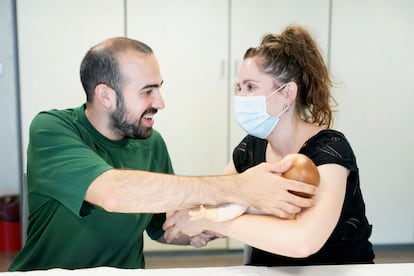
x=65, y=154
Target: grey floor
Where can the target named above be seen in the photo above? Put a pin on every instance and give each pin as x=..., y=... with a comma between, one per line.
x=384, y=254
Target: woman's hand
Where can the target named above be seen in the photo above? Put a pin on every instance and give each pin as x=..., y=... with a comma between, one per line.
x=181, y=222
x=204, y=238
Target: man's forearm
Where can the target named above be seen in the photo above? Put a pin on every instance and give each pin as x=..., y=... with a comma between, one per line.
x=130, y=191
x=260, y=187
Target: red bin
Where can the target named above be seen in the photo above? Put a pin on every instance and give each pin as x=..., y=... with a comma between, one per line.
x=10, y=232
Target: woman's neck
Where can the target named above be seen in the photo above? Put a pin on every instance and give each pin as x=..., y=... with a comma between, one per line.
x=289, y=140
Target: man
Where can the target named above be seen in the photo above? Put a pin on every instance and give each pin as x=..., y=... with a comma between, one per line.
x=99, y=175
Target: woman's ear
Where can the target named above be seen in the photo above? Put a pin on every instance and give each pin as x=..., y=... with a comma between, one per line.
x=105, y=95
x=291, y=90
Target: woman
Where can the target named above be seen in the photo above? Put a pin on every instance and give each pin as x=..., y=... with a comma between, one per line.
x=283, y=101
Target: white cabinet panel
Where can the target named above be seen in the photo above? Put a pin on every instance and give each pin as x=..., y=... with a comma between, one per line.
x=372, y=58
x=190, y=40
x=252, y=19
x=53, y=38
x=10, y=162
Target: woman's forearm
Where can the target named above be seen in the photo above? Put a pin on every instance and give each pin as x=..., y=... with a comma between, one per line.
x=271, y=234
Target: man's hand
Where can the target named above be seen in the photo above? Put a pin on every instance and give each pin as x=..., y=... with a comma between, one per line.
x=262, y=187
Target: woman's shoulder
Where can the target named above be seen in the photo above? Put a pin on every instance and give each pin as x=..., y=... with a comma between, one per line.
x=327, y=136
x=329, y=146
x=249, y=152
x=250, y=142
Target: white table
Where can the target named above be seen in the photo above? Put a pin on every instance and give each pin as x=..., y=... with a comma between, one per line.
x=395, y=269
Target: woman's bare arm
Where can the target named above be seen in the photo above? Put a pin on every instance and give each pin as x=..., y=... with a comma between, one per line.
x=297, y=237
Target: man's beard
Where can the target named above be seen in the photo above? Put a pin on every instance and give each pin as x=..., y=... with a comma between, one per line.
x=120, y=126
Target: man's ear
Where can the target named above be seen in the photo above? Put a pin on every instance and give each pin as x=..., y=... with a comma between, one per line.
x=105, y=95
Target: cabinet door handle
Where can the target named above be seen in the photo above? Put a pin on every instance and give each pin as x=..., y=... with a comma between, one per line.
x=223, y=69
x=236, y=68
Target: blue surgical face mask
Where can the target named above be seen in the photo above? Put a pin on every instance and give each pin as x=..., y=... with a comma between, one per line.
x=251, y=113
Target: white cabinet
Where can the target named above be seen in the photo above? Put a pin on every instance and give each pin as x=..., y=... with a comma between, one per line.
x=251, y=20
x=193, y=36
x=190, y=40
x=200, y=44
x=53, y=37
x=10, y=162
x=372, y=59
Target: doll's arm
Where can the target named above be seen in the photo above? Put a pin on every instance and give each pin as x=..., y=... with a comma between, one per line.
x=218, y=213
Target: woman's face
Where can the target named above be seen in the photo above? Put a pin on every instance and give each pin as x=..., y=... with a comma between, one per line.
x=253, y=82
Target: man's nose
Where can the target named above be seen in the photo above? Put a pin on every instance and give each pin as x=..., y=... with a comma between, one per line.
x=158, y=101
